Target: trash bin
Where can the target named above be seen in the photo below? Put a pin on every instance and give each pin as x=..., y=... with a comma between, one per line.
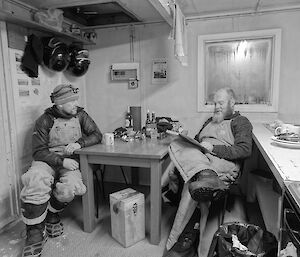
x=242, y=239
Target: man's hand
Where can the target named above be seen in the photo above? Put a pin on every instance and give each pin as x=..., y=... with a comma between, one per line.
x=70, y=148
x=207, y=145
x=70, y=164
x=229, y=176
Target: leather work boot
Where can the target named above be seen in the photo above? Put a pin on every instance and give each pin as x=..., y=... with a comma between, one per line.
x=207, y=186
x=54, y=227
x=187, y=240
x=36, y=238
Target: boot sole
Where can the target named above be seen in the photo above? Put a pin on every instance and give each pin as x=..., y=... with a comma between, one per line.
x=207, y=194
x=34, y=250
x=54, y=230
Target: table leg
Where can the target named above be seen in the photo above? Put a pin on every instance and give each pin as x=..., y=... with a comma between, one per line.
x=155, y=202
x=88, y=202
x=135, y=176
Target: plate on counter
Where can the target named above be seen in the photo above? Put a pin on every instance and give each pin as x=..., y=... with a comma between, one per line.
x=285, y=143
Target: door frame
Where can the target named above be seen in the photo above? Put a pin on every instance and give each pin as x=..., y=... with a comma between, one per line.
x=8, y=112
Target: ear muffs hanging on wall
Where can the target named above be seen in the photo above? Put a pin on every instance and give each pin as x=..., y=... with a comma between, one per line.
x=56, y=54
x=80, y=61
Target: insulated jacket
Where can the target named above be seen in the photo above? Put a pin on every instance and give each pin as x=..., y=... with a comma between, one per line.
x=40, y=139
x=242, y=132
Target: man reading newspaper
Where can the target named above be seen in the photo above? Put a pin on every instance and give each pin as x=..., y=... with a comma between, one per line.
x=209, y=168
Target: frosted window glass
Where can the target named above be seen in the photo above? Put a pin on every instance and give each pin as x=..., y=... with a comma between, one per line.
x=246, y=61
x=243, y=65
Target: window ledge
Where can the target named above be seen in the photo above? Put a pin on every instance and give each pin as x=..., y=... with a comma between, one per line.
x=261, y=108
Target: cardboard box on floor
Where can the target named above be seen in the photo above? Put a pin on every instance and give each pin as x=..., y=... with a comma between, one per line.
x=127, y=210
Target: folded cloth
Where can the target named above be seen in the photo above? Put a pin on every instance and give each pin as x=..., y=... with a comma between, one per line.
x=179, y=35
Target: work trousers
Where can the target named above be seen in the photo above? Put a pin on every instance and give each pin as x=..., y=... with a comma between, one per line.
x=42, y=183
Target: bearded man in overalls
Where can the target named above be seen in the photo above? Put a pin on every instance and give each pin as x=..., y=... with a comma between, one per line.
x=54, y=178
x=227, y=140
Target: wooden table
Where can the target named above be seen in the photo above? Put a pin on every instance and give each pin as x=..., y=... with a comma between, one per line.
x=138, y=153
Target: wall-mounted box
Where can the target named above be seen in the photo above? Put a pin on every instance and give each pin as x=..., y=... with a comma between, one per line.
x=125, y=71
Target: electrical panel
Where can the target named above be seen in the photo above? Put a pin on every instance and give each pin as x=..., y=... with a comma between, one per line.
x=125, y=71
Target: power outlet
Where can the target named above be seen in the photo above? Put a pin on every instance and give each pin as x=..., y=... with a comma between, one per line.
x=132, y=84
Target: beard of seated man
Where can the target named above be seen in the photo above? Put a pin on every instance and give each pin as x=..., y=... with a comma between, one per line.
x=220, y=114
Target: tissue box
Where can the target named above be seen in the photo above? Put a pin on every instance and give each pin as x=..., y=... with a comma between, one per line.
x=127, y=209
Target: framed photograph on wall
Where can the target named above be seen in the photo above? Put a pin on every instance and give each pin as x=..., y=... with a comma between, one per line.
x=248, y=62
x=159, y=71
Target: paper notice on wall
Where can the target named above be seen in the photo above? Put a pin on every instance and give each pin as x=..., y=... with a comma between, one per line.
x=159, y=71
x=27, y=91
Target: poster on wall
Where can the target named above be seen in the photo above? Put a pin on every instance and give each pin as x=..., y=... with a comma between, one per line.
x=27, y=91
x=159, y=71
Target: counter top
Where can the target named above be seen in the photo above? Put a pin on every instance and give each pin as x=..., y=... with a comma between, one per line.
x=283, y=162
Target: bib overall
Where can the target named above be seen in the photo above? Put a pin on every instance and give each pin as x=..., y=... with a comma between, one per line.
x=43, y=182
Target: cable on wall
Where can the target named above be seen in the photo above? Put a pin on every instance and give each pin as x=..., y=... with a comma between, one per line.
x=132, y=37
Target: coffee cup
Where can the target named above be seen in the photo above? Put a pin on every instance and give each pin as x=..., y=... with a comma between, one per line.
x=109, y=139
x=287, y=129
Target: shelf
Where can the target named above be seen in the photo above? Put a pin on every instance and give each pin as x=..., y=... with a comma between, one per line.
x=11, y=18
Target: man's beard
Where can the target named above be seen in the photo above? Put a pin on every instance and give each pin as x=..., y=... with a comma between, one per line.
x=218, y=117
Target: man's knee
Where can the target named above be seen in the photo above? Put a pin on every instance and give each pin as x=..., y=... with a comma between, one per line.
x=69, y=185
x=39, y=172
x=37, y=183
x=64, y=192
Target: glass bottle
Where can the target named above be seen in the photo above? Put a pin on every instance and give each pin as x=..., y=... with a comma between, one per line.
x=148, y=124
x=153, y=126
x=128, y=120
x=153, y=120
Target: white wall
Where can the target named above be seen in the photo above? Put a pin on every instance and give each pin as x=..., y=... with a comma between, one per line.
x=177, y=98
x=107, y=101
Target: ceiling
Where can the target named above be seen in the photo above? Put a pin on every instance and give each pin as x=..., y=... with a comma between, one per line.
x=103, y=13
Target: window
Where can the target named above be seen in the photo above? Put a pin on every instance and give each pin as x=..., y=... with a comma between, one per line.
x=248, y=62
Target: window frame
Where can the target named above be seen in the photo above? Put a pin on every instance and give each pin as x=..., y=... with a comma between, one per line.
x=274, y=34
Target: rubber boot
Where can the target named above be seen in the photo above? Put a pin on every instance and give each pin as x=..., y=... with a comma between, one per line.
x=54, y=227
x=36, y=238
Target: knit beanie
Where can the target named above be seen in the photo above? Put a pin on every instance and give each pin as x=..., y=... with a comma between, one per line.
x=64, y=93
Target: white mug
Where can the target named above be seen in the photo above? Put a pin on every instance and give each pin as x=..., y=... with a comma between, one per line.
x=109, y=138
x=287, y=129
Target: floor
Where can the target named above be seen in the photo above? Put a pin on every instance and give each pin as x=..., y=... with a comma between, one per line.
x=74, y=242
